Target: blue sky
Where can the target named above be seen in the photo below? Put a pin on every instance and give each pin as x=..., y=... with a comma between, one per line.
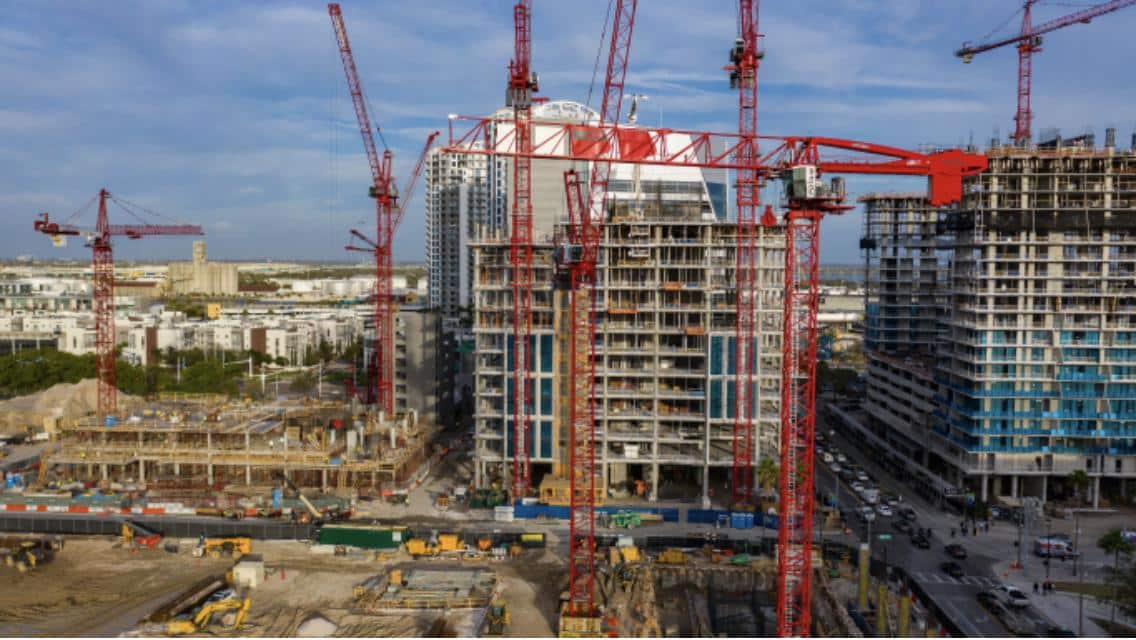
x=236, y=115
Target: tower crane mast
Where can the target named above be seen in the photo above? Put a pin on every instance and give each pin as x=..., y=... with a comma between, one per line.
x=578, y=260
x=523, y=83
x=744, y=60
x=102, y=265
x=1028, y=41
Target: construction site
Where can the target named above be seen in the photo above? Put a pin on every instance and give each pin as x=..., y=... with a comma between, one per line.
x=641, y=345
x=196, y=443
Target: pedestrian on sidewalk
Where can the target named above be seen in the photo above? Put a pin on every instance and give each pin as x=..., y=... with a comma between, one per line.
x=1035, y=588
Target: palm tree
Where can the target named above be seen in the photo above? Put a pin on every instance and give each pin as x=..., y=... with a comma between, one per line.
x=1080, y=481
x=767, y=475
x=1115, y=543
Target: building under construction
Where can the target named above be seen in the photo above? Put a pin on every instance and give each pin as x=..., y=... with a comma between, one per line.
x=1029, y=373
x=665, y=335
x=208, y=442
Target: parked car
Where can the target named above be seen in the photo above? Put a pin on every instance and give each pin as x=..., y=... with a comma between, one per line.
x=883, y=510
x=952, y=569
x=902, y=526
x=861, y=476
x=1011, y=596
x=871, y=495
x=840, y=457
x=920, y=540
x=907, y=513
x=1057, y=631
x=835, y=467
x=827, y=457
x=867, y=515
x=955, y=551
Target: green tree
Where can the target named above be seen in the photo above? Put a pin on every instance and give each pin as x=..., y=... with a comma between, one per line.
x=767, y=475
x=1115, y=543
x=1124, y=590
x=1080, y=481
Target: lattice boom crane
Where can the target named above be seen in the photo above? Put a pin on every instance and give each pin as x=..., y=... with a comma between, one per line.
x=102, y=266
x=388, y=215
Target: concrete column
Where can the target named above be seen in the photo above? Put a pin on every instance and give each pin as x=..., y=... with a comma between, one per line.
x=984, y=479
x=655, y=482
x=248, y=474
x=1014, y=488
x=865, y=565
x=209, y=473
x=1096, y=492
x=248, y=441
x=141, y=470
x=177, y=468
x=881, y=612
x=706, y=487
x=103, y=470
x=1044, y=489
x=323, y=479
x=904, y=616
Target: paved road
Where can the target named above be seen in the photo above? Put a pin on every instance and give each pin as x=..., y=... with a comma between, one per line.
x=956, y=597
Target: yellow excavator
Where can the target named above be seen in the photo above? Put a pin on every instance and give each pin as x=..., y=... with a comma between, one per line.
x=233, y=546
x=200, y=621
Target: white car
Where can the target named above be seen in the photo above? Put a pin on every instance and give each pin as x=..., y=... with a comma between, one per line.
x=835, y=468
x=1010, y=595
x=841, y=458
x=827, y=457
x=884, y=510
x=861, y=476
x=857, y=487
x=867, y=515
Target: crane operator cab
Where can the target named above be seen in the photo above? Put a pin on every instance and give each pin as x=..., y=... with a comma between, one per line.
x=736, y=54
x=566, y=255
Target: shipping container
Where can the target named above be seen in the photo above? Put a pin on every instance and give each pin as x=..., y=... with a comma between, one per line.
x=363, y=537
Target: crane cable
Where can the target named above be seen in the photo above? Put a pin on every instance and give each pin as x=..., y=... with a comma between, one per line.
x=599, y=52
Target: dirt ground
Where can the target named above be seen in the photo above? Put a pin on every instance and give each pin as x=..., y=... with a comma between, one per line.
x=95, y=587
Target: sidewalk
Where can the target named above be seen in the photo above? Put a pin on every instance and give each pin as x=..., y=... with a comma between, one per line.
x=1061, y=607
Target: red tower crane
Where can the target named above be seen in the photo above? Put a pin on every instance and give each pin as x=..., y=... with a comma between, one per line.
x=1028, y=42
x=744, y=60
x=388, y=214
x=523, y=83
x=798, y=161
x=577, y=260
x=102, y=268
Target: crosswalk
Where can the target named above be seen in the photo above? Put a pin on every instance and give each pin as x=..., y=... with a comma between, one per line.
x=931, y=577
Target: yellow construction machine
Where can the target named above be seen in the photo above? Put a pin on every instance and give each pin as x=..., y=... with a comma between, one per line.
x=233, y=546
x=496, y=619
x=672, y=556
x=205, y=615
